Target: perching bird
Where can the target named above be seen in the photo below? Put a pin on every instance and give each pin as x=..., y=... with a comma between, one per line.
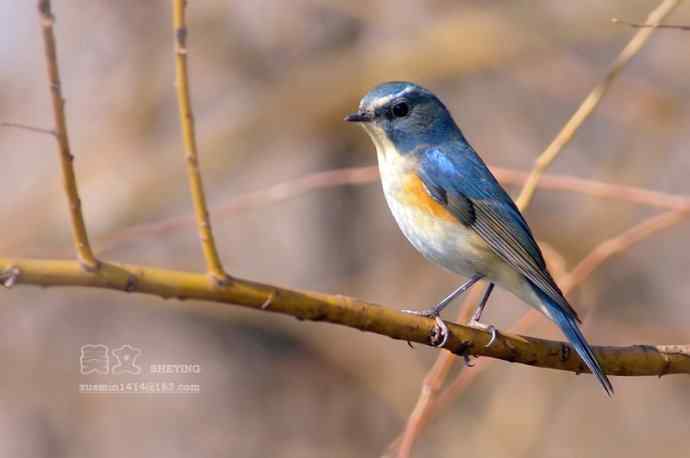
x=452, y=209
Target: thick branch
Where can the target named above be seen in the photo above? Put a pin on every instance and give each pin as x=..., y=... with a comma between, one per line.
x=636, y=360
x=79, y=234
x=208, y=245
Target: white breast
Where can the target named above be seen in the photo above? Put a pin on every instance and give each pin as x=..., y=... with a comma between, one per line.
x=449, y=244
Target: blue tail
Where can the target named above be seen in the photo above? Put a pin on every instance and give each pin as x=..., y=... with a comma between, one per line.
x=568, y=325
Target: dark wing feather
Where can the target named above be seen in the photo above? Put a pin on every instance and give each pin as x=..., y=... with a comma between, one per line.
x=457, y=173
x=459, y=205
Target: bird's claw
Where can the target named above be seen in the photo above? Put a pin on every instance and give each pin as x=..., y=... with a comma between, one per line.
x=484, y=327
x=439, y=334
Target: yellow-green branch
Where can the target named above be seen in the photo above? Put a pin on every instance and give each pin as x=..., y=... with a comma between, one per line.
x=208, y=245
x=636, y=360
x=79, y=234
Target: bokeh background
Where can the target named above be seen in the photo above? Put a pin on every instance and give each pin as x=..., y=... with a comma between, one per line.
x=271, y=82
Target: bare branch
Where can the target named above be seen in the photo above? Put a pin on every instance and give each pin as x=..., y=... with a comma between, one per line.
x=615, y=20
x=208, y=245
x=577, y=276
x=637, y=360
x=80, y=235
x=38, y=130
x=592, y=101
x=369, y=174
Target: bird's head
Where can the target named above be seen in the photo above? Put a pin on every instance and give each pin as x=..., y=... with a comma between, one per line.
x=405, y=116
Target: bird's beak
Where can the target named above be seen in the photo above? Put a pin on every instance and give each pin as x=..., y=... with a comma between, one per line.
x=359, y=116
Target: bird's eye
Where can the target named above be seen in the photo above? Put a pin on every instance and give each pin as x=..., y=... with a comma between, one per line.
x=400, y=109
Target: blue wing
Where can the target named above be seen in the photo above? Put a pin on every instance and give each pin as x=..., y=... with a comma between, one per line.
x=456, y=172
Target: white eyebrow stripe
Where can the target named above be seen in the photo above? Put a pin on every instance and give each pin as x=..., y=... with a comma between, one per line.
x=384, y=100
x=405, y=91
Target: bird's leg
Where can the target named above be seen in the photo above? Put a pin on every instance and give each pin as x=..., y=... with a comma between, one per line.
x=474, y=321
x=438, y=308
x=439, y=335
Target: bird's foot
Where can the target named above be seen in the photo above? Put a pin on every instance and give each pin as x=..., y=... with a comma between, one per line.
x=485, y=327
x=439, y=334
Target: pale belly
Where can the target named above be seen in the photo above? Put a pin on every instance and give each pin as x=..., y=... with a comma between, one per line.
x=459, y=250
x=444, y=242
x=450, y=245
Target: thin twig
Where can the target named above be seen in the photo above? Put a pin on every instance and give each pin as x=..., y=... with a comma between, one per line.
x=599, y=189
x=79, y=233
x=369, y=174
x=38, y=130
x=592, y=101
x=598, y=256
x=620, y=243
x=615, y=20
x=208, y=245
x=432, y=384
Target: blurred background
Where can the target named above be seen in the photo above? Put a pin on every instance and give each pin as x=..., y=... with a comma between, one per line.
x=271, y=82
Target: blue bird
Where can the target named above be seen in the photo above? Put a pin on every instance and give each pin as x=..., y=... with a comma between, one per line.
x=451, y=209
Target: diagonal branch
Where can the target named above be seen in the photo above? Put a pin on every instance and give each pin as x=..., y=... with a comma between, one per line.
x=636, y=234
x=35, y=129
x=636, y=360
x=208, y=245
x=426, y=404
x=592, y=101
x=79, y=233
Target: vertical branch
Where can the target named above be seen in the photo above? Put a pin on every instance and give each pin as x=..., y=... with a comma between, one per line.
x=213, y=263
x=592, y=101
x=79, y=234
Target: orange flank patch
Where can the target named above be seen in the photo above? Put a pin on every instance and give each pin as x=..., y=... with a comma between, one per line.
x=413, y=193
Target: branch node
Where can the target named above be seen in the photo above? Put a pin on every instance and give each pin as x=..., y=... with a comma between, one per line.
x=89, y=266
x=46, y=15
x=9, y=276
x=462, y=348
x=565, y=352
x=131, y=284
x=220, y=280
x=181, y=41
x=269, y=299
